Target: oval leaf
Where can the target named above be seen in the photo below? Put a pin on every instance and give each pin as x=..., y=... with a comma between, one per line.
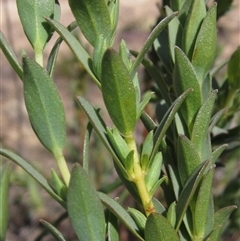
x=202, y=205
x=200, y=127
x=84, y=207
x=92, y=17
x=184, y=78
x=188, y=158
x=194, y=19
x=5, y=172
x=159, y=228
x=118, y=92
x=205, y=47
x=32, y=13
x=44, y=106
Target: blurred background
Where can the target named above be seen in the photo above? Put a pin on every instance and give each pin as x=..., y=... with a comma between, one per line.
x=28, y=203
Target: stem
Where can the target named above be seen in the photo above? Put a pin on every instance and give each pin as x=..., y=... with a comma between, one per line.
x=62, y=165
x=39, y=56
x=138, y=177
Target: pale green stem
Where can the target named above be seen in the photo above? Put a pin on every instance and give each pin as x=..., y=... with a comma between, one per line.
x=62, y=165
x=39, y=56
x=138, y=177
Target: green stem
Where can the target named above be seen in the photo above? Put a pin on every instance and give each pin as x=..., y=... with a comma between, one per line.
x=138, y=177
x=39, y=56
x=62, y=165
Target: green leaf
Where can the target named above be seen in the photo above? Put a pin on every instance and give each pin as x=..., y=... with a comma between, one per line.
x=54, y=52
x=76, y=47
x=216, y=154
x=139, y=218
x=187, y=158
x=146, y=98
x=222, y=215
x=200, y=127
x=167, y=120
x=32, y=172
x=118, y=143
x=54, y=231
x=192, y=25
x=202, y=204
x=147, y=144
x=188, y=192
x=10, y=55
x=58, y=185
x=157, y=76
x=112, y=227
x=160, y=209
x=121, y=213
x=5, y=172
x=171, y=214
x=233, y=70
x=100, y=128
x=86, y=146
x=84, y=207
x=44, y=106
x=93, y=18
x=185, y=77
x=113, y=7
x=148, y=43
x=158, y=228
x=205, y=47
x=153, y=171
x=118, y=92
x=174, y=29
x=32, y=13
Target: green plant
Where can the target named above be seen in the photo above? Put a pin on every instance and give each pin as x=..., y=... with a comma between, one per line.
x=176, y=155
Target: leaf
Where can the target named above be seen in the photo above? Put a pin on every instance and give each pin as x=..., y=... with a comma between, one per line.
x=10, y=55
x=54, y=52
x=157, y=76
x=233, y=70
x=139, y=218
x=93, y=18
x=55, y=232
x=158, y=228
x=100, y=128
x=118, y=144
x=171, y=214
x=32, y=172
x=148, y=43
x=44, y=106
x=76, y=47
x=146, y=98
x=121, y=213
x=86, y=146
x=32, y=13
x=222, y=215
x=112, y=227
x=184, y=78
x=167, y=120
x=160, y=209
x=202, y=205
x=192, y=25
x=200, y=127
x=188, y=192
x=84, y=207
x=5, y=172
x=187, y=158
x=58, y=185
x=118, y=92
x=174, y=29
x=205, y=47
x=216, y=154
